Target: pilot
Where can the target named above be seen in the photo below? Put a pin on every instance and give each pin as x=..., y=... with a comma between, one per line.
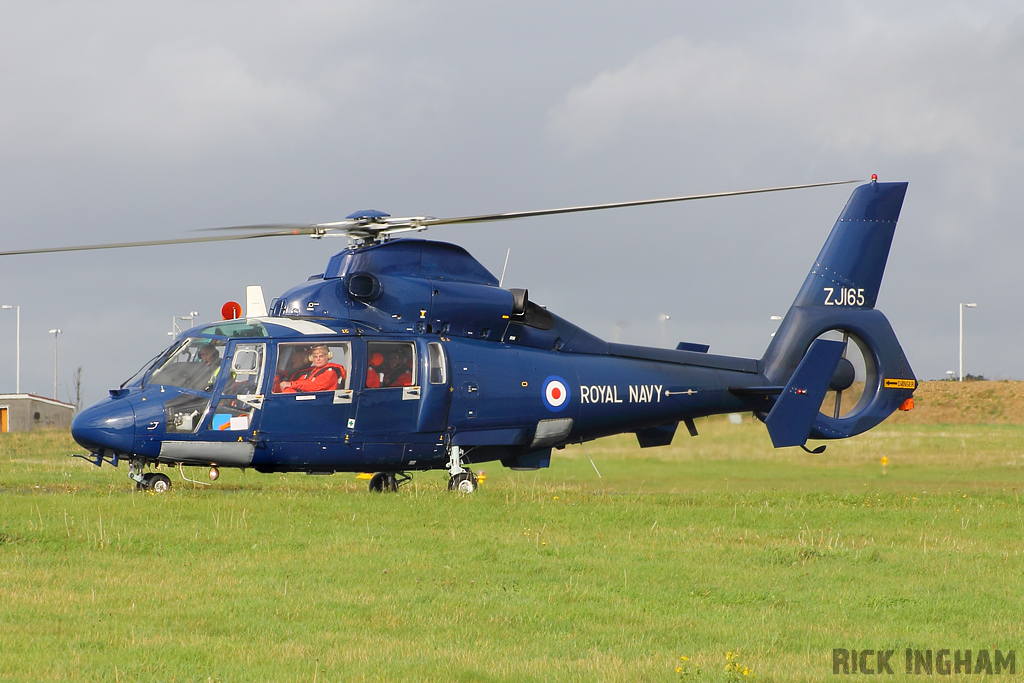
x=398, y=372
x=322, y=376
x=209, y=356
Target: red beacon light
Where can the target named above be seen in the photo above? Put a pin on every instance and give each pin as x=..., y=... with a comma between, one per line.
x=232, y=310
x=874, y=177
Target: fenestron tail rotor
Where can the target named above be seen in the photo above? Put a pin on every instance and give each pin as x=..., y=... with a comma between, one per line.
x=376, y=226
x=848, y=382
x=839, y=388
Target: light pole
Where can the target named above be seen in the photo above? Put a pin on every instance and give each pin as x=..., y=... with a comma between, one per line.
x=54, y=332
x=175, y=330
x=17, y=346
x=962, y=306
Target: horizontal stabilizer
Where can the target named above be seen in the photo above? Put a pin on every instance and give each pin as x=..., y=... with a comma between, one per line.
x=690, y=346
x=790, y=420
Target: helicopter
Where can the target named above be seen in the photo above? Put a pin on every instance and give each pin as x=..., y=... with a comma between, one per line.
x=406, y=355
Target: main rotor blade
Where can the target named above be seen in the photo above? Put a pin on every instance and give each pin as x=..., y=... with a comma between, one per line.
x=378, y=227
x=618, y=205
x=279, y=232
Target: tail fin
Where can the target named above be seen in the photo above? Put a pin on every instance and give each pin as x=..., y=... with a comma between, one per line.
x=838, y=298
x=848, y=271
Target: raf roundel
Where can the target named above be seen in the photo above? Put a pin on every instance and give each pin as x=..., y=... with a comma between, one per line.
x=556, y=393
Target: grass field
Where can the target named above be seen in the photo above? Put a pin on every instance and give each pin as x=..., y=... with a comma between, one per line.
x=717, y=549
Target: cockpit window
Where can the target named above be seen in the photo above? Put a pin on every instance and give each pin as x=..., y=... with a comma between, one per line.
x=194, y=364
x=240, y=396
x=246, y=371
x=309, y=367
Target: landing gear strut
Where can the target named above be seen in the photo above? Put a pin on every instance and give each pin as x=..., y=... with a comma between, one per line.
x=462, y=480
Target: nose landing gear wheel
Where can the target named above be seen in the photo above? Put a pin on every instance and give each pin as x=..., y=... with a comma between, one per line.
x=160, y=483
x=155, y=482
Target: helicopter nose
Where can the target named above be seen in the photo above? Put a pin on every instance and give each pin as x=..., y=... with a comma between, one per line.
x=108, y=426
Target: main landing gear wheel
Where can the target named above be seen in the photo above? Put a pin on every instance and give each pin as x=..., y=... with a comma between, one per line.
x=388, y=481
x=155, y=482
x=464, y=482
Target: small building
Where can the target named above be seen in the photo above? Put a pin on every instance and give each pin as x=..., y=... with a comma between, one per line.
x=27, y=413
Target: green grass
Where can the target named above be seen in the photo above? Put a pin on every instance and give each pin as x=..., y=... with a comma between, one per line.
x=714, y=545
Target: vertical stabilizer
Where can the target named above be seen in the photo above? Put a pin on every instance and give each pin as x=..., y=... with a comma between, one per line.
x=848, y=271
x=837, y=300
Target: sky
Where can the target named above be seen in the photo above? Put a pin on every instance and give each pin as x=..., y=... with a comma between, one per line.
x=132, y=121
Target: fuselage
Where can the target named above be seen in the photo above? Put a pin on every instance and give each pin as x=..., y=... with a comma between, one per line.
x=495, y=399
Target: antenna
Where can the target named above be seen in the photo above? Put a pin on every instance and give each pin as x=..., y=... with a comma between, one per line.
x=504, y=268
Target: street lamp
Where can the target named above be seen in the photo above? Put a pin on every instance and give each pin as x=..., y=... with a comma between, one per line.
x=17, y=346
x=175, y=330
x=962, y=306
x=663, y=318
x=54, y=332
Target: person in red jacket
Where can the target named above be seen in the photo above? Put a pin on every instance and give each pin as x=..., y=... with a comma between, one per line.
x=322, y=376
x=399, y=368
x=374, y=370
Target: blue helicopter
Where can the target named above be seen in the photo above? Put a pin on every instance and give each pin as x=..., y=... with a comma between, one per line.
x=406, y=355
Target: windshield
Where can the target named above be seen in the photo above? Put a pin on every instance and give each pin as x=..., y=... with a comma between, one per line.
x=137, y=377
x=193, y=364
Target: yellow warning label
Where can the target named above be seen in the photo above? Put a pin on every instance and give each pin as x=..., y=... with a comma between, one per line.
x=900, y=384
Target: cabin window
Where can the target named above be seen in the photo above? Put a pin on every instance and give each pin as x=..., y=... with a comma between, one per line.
x=193, y=364
x=311, y=367
x=390, y=364
x=438, y=371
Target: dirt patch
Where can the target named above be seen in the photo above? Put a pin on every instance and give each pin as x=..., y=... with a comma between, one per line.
x=981, y=402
